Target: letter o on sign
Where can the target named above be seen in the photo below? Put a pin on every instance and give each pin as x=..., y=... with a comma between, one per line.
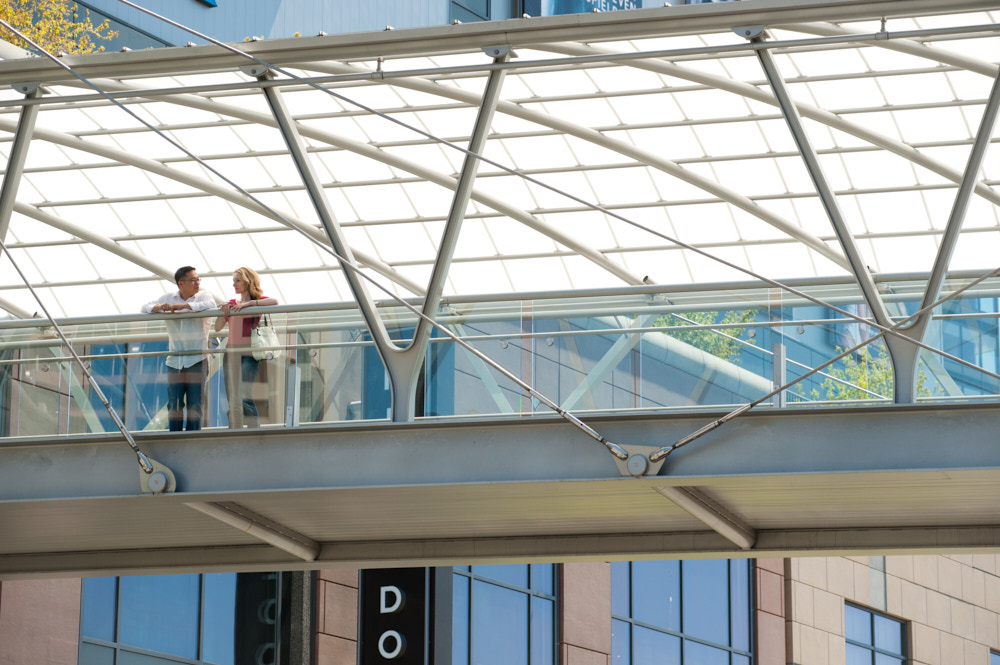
x=394, y=638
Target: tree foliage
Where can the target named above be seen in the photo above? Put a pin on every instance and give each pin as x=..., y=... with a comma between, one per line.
x=55, y=25
x=867, y=371
x=719, y=343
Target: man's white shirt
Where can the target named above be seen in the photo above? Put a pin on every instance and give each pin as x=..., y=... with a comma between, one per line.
x=187, y=333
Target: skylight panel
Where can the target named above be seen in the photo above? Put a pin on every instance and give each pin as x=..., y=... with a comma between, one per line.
x=847, y=93
x=705, y=270
x=730, y=138
x=624, y=78
x=112, y=266
x=480, y=277
x=444, y=123
x=742, y=68
x=662, y=267
x=781, y=261
x=85, y=300
x=65, y=185
x=656, y=108
x=617, y=186
x=347, y=166
x=592, y=225
x=916, y=89
x=629, y=235
x=341, y=127
x=569, y=182
x=67, y=120
x=753, y=178
x=380, y=202
x=42, y=154
x=914, y=254
x=137, y=217
x=539, y=152
x=877, y=169
x=976, y=251
x=209, y=140
x=372, y=96
x=673, y=143
x=258, y=137
x=166, y=113
x=930, y=125
x=429, y=199
x=551, y=84
x=592, y=154
x=894, y=212
x=513, y=237
x=381, y=130
x=511, y=189
x=96, y=218
x=28, y=230
x=547, y=274
x=884, y=60
x=202, y=212
x=474, y=240
x=586, y=112
x=402, y=242
x=704, y=104
x=706, y=222
x=830, y=62
x=225, y=253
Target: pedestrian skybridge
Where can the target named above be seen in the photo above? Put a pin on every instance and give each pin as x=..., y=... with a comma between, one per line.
x=707, y=280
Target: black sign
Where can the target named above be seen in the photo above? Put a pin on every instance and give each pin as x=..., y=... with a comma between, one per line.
x=394, y=616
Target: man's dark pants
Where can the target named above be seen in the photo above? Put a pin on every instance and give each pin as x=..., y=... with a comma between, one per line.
x=185, y=387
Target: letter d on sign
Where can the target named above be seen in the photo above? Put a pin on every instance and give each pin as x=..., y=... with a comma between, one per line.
x=398, y=599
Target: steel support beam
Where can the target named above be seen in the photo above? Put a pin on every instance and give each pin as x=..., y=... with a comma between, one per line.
x=404, y=367
x=18, y=153
x=300, y=156
x=717, y=518
x=898, y=349
x=906, y=357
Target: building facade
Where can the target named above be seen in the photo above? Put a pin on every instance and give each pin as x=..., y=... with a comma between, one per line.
x=920, y=610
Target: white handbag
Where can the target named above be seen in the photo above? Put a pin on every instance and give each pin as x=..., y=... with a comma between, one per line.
x=264, y=341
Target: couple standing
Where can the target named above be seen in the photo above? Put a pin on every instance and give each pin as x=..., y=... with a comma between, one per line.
x=187, y=366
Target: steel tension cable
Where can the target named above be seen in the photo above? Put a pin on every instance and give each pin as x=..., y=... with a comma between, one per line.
x=148, y=466
x=616, y=450
x=662, y=453
x=535, y=181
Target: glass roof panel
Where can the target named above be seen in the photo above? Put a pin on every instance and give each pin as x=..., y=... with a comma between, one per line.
x=678, y=151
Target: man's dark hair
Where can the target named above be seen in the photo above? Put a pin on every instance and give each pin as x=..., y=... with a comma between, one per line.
x=179, y=275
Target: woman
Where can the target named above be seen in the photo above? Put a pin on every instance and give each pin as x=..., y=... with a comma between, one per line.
x=239, y=366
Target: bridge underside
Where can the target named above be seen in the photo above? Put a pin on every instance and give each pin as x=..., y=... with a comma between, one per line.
x=873, y=480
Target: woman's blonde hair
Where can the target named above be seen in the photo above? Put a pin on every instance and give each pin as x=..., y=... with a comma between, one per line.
x=252, y=280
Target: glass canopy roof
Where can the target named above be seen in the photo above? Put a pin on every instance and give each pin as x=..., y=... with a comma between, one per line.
x=612, y=136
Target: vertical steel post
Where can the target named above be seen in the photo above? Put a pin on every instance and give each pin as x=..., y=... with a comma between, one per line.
x=897, y=347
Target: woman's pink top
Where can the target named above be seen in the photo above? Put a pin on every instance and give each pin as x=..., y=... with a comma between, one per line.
x=240, y=328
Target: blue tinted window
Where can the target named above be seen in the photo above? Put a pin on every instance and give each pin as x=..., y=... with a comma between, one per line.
x=499, y=625
x=662, y=610
x=160, y=613
x=656, y=593
x=739, y=604
x=706, y=599
x=211, y=619
x=621, y=642
x=514, y=575
x=99, y=601
x=499, y=619
x=654, y=647
x=994, y=658
x=873, y=638
x=460, y=611
x=220, y=619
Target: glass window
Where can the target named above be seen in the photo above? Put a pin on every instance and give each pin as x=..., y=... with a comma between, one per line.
x=504, y=615
x=212, y=619
x=680, y=612
x=873, y=638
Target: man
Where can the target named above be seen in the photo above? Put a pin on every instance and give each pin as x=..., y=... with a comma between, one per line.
x=186, y=371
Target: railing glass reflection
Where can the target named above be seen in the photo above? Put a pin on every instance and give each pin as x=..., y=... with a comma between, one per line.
x=625, y=351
